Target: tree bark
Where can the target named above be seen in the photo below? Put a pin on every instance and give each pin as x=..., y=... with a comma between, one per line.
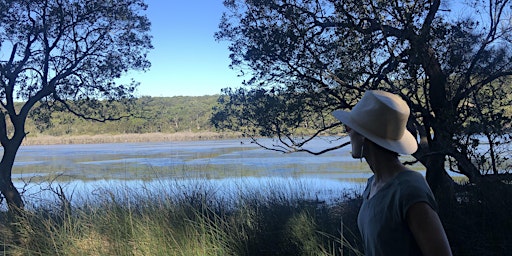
x=11, y=194
x=7, y=188
x=437, y=177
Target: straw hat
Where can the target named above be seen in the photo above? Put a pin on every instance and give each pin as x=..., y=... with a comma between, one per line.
x=381, y=117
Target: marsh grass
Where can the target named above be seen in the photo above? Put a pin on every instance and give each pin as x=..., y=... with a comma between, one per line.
x=198, y=220
x=194, y=220
x=127, y=138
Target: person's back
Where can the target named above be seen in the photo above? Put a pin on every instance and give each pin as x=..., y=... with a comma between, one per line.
x=382, y=218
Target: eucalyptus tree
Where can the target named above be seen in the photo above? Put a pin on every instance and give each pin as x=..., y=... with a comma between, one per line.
x=65, y=55
x=306, y=58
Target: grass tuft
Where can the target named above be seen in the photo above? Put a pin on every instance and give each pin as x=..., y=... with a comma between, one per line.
x=192, y=221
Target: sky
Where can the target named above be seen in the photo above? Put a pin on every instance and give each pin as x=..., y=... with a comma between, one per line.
x=186, y=59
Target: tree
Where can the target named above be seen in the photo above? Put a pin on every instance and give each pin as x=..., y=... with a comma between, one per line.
x=307, y=58
x=65, y=55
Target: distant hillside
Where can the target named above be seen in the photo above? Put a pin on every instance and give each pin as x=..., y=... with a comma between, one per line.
x=159, y=115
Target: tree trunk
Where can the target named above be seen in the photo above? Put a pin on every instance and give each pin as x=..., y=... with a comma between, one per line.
x=467, y=168
x=11, y=194
x=437, y=177
x=442, y=185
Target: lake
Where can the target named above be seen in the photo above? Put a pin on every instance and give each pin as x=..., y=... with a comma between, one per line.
x=225, y=165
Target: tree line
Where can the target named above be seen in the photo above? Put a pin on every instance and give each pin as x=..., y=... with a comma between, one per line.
x=146, y=115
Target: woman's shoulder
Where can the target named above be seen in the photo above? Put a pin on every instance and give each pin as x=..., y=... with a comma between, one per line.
x=409, y=174
x=411, y=178
x=412, y=187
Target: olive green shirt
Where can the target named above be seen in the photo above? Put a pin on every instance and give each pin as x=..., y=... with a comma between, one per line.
x=382, y=218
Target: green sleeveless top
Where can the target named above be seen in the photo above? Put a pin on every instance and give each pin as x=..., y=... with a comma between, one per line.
x=382, y=218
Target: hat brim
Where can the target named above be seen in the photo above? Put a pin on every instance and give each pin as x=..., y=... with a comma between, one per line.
x=406, y=145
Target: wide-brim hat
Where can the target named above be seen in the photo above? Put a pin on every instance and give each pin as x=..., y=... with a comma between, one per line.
x=381, y=117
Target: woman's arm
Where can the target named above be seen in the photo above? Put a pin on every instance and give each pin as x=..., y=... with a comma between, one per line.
x=427, y=229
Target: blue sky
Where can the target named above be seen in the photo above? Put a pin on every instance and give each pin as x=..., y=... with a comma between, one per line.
x=186, y=59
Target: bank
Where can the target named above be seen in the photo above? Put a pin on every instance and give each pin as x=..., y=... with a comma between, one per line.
x=127, y=138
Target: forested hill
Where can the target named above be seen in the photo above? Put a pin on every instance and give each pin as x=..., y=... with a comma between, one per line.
x=160, y=114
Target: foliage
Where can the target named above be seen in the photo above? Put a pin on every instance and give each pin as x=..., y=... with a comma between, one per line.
x=488, y=139
x=147, y=115
x=308, y=58
x=65, y=55
x=261, y=113
x=479, y=223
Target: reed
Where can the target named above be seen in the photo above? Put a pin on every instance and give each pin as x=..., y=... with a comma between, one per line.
x=197, y=220
x=127, y=138
x=191, y=221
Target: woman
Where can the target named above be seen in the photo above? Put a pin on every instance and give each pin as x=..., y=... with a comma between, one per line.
x=398, y=215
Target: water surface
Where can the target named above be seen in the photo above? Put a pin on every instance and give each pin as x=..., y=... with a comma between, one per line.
x=227, y=165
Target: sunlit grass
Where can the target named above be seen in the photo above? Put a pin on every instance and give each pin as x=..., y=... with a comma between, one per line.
x=173, y=218
x=126, y=138
x=193, y=220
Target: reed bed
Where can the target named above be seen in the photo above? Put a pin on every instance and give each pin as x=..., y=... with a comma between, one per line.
x=192, y=221
x=197, y=220
x=127, y=138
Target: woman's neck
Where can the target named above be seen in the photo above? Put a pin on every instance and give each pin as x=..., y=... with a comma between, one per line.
x=384, y=164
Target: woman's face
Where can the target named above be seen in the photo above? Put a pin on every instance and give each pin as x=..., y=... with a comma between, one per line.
x=357, y=141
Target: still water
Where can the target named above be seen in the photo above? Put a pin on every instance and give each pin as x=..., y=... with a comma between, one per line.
x=226, y=165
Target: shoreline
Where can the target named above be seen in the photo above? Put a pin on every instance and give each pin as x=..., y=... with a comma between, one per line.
x=126, y=138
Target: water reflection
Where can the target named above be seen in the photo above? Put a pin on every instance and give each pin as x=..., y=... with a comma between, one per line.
x=227, y=189
x=212, y=159
x=229, y=165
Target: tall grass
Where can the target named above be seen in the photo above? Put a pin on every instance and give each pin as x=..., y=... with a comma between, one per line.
x=192, y=221
x=127, y=138
x=197, y=220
